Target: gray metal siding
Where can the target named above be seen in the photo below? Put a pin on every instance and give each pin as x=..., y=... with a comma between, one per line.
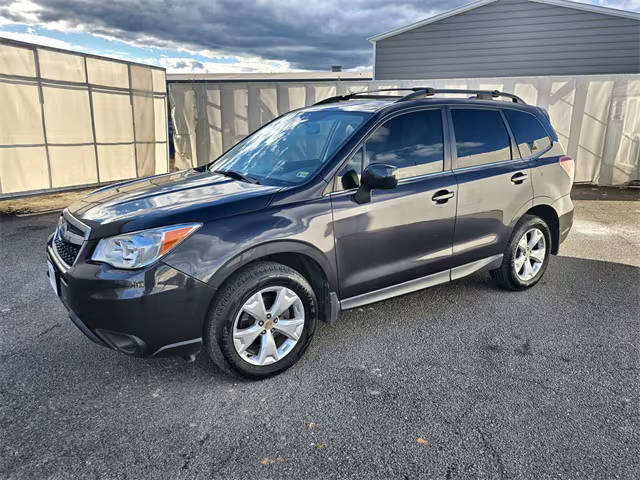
x=512, y=38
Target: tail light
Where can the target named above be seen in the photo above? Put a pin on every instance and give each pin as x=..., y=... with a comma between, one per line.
x=569, y=166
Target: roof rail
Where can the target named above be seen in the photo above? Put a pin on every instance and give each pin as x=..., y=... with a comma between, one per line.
x=365, y=94
x=421, y=92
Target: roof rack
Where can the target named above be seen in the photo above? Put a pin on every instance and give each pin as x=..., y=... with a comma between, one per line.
x=365, y=94
x=422, y=92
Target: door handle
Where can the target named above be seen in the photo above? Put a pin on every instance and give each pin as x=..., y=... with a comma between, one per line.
x=518, y=178
x=442, y=196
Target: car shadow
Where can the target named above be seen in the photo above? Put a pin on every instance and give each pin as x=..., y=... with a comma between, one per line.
x=577, y=288
x=581, y=282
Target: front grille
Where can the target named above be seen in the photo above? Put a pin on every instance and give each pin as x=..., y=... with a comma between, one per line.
x=66, y=251
x=68, y=240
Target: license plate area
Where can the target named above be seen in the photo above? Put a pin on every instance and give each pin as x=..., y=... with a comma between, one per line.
x=53, y=277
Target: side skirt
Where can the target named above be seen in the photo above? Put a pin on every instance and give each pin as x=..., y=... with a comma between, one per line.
x=488, y=263
x=421, y=283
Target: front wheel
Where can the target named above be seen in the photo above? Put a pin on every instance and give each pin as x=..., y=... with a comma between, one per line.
x=526, y=256
x=262, y=321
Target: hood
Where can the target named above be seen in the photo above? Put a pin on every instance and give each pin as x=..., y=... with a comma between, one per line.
x=186, y=196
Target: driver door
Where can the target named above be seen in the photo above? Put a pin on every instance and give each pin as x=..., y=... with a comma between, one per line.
x=403, y=234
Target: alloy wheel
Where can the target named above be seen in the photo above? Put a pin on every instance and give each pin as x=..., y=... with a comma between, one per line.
x=268, y=325
x=530, y=254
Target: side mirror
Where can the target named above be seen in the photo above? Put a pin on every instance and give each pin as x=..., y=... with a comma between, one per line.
x=377, y=175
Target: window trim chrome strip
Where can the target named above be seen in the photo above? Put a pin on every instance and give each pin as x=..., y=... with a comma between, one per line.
x=491, y=164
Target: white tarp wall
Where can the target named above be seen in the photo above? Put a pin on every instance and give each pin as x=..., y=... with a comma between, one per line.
x=597, y=118
x=69, y=119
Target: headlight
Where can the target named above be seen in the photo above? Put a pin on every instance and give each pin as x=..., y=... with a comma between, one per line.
x=139, y=249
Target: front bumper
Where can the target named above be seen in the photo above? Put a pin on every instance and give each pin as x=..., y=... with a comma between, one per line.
x=153, y=311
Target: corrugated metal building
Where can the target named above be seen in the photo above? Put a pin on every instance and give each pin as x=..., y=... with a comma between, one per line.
x=511, y=38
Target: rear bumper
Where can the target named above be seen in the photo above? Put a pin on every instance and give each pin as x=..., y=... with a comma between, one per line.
x=565, y=222
x=564, y=207
x=149, y=312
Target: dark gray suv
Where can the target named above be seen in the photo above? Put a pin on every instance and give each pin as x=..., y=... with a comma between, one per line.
x=351, y=201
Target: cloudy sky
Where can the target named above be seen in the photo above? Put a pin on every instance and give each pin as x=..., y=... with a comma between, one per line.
x=223, y=35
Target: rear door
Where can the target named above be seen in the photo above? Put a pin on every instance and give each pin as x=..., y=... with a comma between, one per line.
x=548, y=179
x=402, y=234
x=494, y=185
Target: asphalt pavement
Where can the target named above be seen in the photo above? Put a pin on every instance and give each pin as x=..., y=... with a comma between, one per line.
x=458, y=381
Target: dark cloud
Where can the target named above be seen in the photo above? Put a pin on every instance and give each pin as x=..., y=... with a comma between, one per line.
x=308, y=34
x=190, y=64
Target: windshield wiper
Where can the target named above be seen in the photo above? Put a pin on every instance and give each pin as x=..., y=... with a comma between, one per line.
x=237, y=176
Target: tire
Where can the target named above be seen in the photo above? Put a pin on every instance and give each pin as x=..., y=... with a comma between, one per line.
x=513, y=273
x=237, y=313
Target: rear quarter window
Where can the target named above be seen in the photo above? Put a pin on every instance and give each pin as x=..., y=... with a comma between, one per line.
x=530, y=135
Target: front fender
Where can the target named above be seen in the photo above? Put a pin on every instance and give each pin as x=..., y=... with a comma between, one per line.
x=218, y=248
x=271, y=248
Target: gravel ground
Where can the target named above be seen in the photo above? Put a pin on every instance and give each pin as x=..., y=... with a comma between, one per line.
x=459, y=381
x=45, y=203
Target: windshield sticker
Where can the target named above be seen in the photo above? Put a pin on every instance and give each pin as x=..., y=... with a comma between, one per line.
x=302, y=174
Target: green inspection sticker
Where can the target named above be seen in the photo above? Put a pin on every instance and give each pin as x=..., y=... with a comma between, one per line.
x=302, y=174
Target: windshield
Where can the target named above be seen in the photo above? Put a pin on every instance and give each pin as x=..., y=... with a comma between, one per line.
x=290, y=149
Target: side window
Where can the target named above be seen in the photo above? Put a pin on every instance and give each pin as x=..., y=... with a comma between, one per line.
x=530, y=135
x=349, y=175
x=411, y=142
x=481, y=137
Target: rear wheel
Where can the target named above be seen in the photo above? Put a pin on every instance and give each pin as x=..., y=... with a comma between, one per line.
x=262, y=321
x=526, y=256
